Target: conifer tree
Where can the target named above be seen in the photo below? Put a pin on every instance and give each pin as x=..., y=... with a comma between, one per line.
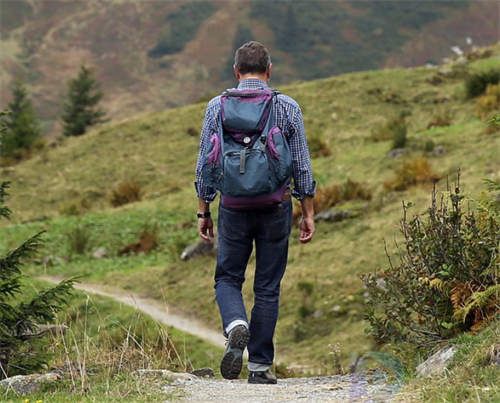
x=20, y=320
x=22, y=128
x=80, y=108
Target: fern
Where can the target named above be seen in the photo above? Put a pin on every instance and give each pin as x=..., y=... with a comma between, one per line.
x=479, y=300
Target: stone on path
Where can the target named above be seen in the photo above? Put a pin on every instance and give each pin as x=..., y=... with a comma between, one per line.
x=26, y=384
x=201, y=248
x=436, y=364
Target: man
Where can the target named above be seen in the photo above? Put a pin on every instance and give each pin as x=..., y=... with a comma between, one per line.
x=269, y=227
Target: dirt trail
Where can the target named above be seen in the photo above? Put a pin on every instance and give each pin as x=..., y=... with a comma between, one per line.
x=340, y=388
x=158, y=311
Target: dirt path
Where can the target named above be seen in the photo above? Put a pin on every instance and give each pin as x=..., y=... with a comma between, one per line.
x=340, y=388
x=158, y=311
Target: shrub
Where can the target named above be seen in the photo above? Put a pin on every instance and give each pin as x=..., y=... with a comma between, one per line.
x=394, y=129
x=476, y=83
x=412, y=172
x=490, y=101
x=445, y=280
x=128, y=191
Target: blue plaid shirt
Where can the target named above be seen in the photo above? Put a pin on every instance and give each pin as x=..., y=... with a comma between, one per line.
x=288, y=118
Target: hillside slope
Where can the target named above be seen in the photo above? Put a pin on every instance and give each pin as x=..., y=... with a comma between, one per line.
x=159, y=150
x=151, y=55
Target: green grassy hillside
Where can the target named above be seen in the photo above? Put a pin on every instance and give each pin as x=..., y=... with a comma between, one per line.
x=158, y=151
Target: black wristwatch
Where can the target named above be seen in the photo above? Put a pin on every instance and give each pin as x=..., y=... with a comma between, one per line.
x=205, y=214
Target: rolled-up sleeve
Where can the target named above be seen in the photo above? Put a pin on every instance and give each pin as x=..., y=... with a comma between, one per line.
x=303, y=182
x=205, y=192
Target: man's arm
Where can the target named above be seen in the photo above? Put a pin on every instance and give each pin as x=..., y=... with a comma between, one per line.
x=205, y=224
x=306, y=225
x=205, y=194
x=304, y=185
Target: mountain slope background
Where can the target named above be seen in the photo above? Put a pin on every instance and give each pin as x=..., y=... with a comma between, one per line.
x=151, y=55
x=66, y=191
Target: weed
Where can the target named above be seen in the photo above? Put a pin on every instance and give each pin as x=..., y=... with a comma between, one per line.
x=128, y=191
x=412, y=172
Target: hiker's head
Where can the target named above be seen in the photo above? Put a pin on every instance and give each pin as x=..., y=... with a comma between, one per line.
x=252, y=60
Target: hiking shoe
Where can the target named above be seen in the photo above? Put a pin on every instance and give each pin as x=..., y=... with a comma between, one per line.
x=232, y=360
x=262, y=377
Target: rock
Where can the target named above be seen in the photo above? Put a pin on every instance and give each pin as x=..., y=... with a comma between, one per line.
x=436, y=364
x=396, y=152
x=26, y=384
x=333, y=215
x=204, y=373
x=201, y=248
x=166, y=374
x=494, y=355
x=438, y=151
x=100, y=253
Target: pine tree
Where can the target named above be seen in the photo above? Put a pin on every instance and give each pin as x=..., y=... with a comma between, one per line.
x=20, y=321
x=80, y=109
x=22, y=128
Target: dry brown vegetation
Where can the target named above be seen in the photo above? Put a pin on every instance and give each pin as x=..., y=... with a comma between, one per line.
x=412, y=172
x=128, y=191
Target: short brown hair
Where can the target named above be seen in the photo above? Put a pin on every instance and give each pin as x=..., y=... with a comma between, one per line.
x=252, y=57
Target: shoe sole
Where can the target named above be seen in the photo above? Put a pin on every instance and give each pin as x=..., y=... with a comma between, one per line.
x=232, y=361
x=255, y=382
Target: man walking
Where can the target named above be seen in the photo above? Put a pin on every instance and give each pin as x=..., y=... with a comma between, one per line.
x=252, y=149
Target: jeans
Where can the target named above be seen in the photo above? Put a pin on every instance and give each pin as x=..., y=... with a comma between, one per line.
x=237, y=231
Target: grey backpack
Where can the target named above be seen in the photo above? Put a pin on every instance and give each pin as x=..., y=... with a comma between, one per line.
x=249, y=160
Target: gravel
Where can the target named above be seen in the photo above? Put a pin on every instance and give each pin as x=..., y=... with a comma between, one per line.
x=351, y=388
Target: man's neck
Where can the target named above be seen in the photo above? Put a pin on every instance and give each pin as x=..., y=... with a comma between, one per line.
x=261, y=77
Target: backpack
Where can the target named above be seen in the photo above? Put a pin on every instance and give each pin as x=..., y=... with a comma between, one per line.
x=249, y=160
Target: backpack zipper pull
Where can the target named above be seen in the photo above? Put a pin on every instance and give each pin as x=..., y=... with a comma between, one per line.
x=242, y=160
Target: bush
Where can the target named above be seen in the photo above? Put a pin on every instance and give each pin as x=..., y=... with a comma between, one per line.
x=412, y=172
x=476, y=83
x=445, y=281
x=394, y=129
x=490, y=101
x=128, y=191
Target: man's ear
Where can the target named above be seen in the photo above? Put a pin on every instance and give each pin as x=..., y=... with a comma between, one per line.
x=236, y=73
x=268, y=71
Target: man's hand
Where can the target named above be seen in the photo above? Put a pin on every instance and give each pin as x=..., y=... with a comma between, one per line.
x=306, y=225
x=206, y=229
x=307, y=229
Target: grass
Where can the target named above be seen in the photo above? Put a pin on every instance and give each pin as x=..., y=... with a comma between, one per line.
x=105, y=342
x=155, y=151
x=470, y=376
